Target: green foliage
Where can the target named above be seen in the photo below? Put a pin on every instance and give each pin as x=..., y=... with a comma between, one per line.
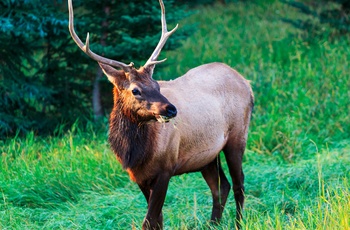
x=19, y=93
x=132, y=34
x=37, y=87
x=207, y=2
x=197, y=2
x=45, y=79
x=334, y=13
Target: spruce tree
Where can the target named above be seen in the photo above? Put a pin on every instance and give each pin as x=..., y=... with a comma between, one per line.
x=45, y=79
x=23, y=92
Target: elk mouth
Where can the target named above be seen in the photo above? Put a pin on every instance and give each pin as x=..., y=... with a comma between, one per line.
x=170, y=112
x=162, y=119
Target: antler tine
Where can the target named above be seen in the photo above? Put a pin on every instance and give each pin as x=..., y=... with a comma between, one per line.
x=165, y=35
x=86, y=48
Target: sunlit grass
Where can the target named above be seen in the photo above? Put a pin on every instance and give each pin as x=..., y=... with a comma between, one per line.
x=74, y=182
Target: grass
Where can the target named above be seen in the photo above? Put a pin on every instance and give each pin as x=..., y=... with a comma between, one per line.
x=296, y=163
x=74, y=182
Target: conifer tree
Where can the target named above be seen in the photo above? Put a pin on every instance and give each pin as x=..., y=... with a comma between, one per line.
x=45, y=79
x=23, y=93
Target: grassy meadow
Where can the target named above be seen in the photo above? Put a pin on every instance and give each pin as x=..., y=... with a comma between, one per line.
x=297, y=162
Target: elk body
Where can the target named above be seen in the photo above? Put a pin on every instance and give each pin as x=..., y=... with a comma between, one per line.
x=209, y=108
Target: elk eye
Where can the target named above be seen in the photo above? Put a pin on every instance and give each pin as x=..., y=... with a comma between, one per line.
x=136, y=92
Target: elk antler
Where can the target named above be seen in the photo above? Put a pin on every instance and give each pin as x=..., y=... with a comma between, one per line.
x=165, y=35
x=86, y=48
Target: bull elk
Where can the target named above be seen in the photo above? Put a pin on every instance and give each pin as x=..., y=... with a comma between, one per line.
x=210, y=108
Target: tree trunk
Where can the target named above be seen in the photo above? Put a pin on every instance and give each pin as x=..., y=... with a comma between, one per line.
x=96, y=95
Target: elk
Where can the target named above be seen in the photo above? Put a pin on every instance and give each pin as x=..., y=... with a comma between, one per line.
x=210, y=108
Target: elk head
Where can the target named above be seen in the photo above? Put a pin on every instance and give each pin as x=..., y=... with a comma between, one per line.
x=137, y=95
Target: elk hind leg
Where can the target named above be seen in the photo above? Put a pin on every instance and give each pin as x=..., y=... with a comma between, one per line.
x=234, y=150
x=219, y=187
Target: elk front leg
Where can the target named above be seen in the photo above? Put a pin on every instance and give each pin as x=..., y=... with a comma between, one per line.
x=156, y=196
x=146, y=190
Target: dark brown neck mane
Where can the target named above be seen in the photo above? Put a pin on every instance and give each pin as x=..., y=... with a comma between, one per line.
x=130, y=140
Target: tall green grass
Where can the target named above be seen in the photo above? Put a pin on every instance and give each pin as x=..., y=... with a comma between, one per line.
x=296, y=163
x=74, y=182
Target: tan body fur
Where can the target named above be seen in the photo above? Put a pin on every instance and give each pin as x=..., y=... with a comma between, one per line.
x=214, y=102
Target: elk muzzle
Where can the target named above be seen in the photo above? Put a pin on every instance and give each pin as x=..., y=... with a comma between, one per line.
x=165, y=113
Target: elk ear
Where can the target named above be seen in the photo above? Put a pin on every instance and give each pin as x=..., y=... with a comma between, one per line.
x=116, y=77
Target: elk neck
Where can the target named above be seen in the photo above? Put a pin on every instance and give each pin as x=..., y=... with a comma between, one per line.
x=131, y=140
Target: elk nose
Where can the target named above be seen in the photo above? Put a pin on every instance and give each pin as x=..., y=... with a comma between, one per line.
x=171, y=111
